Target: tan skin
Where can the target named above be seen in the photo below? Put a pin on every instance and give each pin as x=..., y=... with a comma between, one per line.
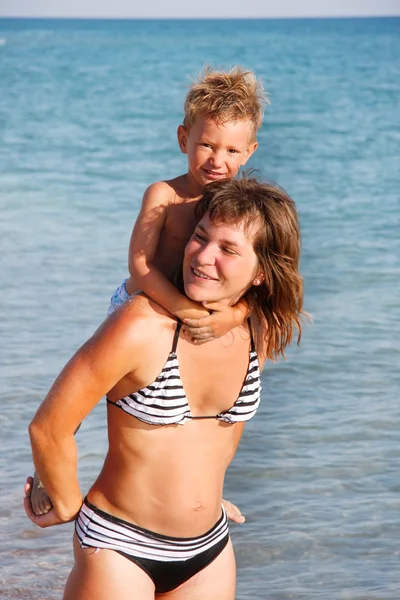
x=166, y=220
x=162, y=229
x=168, y=479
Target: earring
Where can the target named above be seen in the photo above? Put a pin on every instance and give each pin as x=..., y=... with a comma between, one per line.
x=256, y=282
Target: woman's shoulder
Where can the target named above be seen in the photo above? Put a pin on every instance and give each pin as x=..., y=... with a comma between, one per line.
x=141, y=319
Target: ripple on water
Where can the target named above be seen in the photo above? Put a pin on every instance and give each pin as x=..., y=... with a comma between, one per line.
x=85, y=132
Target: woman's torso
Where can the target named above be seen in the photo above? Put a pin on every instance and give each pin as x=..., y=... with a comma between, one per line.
x=169, y=478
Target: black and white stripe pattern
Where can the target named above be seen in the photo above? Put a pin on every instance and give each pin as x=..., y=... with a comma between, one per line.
x=249, y=398
x=164, y=402
x=97, y=529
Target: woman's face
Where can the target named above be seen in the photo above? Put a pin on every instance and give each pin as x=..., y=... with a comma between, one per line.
x=219, y=262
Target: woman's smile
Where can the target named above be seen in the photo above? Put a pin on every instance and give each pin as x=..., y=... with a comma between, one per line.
x=202, y=275
x=220, y=261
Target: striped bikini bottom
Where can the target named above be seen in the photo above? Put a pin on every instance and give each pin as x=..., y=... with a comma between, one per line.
x=168, y=561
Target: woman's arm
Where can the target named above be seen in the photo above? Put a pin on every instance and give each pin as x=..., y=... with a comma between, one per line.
x=98, y=365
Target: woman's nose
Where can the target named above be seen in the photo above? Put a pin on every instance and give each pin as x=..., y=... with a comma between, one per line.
x=206, y=254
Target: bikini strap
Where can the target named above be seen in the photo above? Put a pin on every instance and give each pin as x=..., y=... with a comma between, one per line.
x=176, y=336
x=252, y=344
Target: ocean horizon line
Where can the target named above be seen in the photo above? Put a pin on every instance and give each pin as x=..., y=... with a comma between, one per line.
x=214, y=18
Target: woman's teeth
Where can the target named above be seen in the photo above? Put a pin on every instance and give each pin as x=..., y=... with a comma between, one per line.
x=198, y=274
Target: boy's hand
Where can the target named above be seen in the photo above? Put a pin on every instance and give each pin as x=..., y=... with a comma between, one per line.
x=194, y=313
x=222, y=319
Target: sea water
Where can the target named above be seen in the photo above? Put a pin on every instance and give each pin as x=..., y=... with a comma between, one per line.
x=88, y=118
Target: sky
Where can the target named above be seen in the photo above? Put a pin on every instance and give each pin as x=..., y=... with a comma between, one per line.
x=200, y=9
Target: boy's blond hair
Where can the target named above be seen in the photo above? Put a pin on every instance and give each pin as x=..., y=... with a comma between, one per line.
x=223, y=96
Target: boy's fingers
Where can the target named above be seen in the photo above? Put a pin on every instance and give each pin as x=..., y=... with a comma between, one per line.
x=195, y=323
x=216, y=306
x=203, y=341
x=198, y=331
x=200, y=336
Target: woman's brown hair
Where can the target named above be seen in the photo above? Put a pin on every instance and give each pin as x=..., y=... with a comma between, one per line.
x=276, y=304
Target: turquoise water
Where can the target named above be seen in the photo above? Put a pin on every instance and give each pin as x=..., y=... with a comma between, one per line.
x=88, y=115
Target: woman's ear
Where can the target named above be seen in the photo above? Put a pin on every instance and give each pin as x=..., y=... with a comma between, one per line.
x=182, y=138
x=258, y=279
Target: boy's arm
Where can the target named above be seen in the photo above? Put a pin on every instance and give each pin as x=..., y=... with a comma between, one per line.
x=223, y=319
x=142, y=249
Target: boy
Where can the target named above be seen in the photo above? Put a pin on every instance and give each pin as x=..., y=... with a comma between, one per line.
x=223, y=111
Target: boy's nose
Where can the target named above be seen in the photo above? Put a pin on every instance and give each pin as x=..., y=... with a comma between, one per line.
x=217, y=160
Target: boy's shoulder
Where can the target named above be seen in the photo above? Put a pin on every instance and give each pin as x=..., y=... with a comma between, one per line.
x=170, y=190
x=161, y=189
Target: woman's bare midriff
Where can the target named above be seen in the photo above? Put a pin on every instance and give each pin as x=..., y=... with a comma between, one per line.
x=168, y=479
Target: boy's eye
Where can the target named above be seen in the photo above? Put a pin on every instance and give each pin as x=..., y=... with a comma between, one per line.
x=205, y=145
x=199, y=236
x=233, y=151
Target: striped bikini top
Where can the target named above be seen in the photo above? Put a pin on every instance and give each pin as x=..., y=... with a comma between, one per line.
x=164, y=402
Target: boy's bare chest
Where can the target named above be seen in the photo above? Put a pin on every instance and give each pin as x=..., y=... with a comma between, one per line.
x=179, y=224
x=178, y=228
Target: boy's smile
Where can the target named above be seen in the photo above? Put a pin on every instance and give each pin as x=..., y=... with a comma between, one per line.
x=216, y=150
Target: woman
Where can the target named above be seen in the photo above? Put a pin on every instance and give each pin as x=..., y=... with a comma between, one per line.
x=152, y=525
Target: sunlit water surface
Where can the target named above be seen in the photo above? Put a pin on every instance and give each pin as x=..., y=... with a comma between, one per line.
x=88, y=114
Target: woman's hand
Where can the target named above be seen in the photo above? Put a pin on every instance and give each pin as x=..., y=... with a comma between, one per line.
x=45, y=520
x=233, y=512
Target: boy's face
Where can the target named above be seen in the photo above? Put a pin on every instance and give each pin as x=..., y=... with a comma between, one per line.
x=216, y=150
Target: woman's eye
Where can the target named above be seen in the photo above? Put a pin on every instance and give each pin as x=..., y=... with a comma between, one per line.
x=228, y=251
